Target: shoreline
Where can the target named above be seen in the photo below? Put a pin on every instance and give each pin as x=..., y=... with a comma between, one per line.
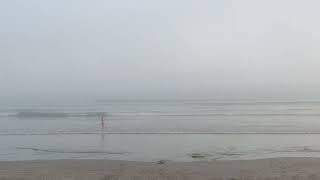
x=261, y=169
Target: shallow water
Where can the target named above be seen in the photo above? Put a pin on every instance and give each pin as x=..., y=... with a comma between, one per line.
x=154, y=130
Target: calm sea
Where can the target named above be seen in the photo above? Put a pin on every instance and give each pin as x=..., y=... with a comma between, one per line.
x=160, y=130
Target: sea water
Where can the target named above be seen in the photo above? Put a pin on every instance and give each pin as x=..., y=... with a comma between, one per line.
x=183, y=130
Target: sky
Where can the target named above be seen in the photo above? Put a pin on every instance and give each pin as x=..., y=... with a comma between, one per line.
x=168, y=49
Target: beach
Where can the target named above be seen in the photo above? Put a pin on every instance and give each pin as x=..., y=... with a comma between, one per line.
x=161, y=141
x=264, y=169
x=159, y=90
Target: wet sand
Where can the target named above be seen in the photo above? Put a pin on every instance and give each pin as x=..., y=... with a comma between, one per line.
x=266, y=169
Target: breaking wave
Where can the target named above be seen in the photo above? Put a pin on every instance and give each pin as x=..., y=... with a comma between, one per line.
x=71, y=151
x=163, y=133
x=152, y=114
x=54, y=114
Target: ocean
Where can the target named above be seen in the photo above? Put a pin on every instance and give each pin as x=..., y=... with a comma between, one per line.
x=186, y=130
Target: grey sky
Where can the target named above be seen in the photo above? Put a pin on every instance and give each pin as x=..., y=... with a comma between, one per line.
x=159, y=49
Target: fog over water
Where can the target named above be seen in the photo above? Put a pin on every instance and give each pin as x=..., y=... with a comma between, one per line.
x=224, y=49
x=228, y=79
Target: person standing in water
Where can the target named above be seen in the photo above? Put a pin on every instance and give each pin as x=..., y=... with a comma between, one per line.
x=103, y=115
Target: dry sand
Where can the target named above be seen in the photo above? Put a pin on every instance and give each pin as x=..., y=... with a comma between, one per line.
x=267, y=169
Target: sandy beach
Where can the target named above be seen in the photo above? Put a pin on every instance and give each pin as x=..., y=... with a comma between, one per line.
x=266, y=169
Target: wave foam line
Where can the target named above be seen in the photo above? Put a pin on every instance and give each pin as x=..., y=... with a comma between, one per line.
x=164, y=133
x=66, y=151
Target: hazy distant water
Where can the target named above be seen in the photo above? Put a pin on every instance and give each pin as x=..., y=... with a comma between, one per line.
x=152, y=130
